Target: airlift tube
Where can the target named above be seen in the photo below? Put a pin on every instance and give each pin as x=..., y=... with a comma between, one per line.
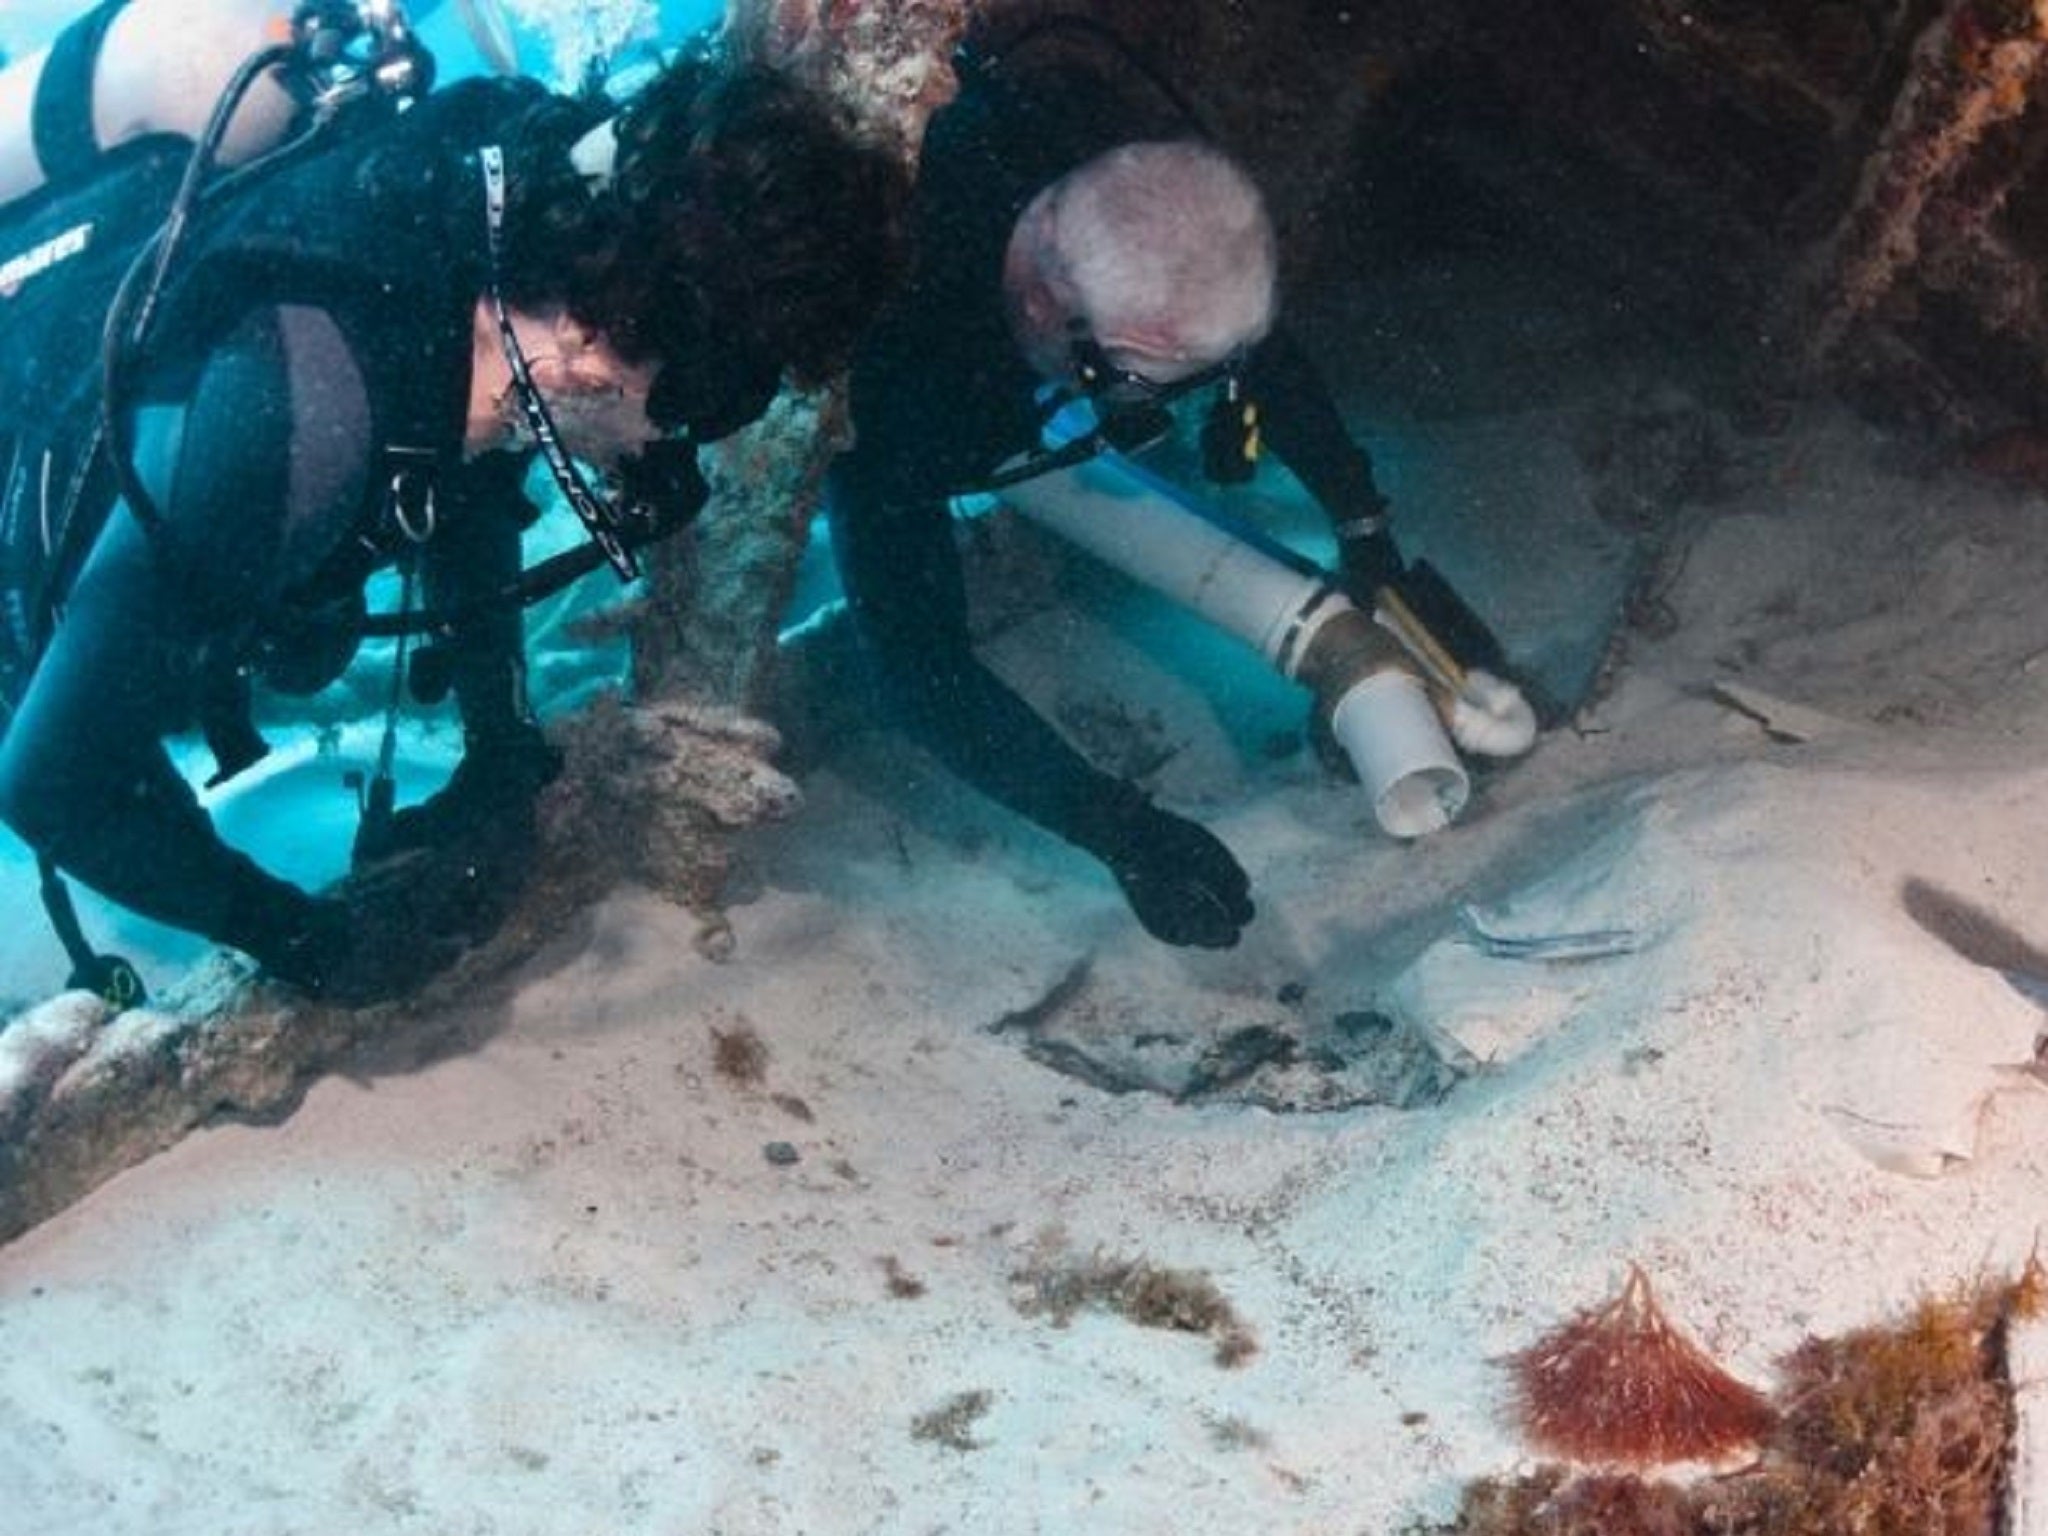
x=1377, y=707
x=162, y=66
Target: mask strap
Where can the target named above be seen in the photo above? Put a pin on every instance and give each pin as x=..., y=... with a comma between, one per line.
x=600, y=518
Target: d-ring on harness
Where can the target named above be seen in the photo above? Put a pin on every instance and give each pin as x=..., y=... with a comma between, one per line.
x=410, y=494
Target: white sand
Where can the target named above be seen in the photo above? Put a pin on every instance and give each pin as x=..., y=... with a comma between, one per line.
x=555, y=1285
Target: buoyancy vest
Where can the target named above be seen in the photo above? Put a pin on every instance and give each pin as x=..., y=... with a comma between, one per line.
x=386, y=231
x=63, y=254
x=383, y=228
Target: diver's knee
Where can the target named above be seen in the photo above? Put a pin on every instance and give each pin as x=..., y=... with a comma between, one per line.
x=32, y=802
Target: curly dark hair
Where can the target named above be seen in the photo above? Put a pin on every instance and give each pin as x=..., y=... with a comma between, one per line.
x=747, y=231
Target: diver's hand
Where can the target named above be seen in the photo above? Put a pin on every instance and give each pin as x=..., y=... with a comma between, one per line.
x=318, y=954
x=662, y=490
x=359, y=949
x=1491, y=718
x=391, y=927
x=488, y=799
x=1183, y=884
x=1367, y=557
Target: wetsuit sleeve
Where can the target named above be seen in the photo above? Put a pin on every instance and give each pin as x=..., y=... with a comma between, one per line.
x=85, y=776
x=1300, y=422
x=940, y=399
x=473, y=558
x=902, y=576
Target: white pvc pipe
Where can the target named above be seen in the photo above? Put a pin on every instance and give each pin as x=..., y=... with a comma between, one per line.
x=1146, y=528
x=1134, y=522
x=1389, y=729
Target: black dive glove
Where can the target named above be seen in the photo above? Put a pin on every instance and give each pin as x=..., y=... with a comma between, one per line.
x=388, y=929
x=357, y=952
x=1367, y=556
x=662, y=490
x=1183, y=884
x=1370, y=563
x=489, y=799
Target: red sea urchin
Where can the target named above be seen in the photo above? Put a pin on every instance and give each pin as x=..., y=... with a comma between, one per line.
x=1618, y=1385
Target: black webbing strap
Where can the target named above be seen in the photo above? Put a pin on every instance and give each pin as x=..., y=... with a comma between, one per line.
x=114, y=979
x=60, y=122
x=600, y=520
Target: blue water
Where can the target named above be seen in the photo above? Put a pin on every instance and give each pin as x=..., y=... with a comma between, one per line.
x=26, y=25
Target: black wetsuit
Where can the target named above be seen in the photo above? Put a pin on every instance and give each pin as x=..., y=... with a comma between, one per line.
x=942, y=397
x=304, y=360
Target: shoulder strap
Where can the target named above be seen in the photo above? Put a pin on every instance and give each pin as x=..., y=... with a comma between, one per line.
x=61, y=121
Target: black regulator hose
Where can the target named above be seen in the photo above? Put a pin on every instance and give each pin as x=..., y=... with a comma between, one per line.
x=133, y=311
x=321, y=33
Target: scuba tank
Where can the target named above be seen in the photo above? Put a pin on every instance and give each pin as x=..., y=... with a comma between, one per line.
x=134, y=69
x=114, y=185
x=97, y=188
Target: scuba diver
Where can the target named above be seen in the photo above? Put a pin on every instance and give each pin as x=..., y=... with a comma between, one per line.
x=1076, y=237
x=340, y=356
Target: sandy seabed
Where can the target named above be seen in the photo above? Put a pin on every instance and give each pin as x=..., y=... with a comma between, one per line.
x=762, y=1247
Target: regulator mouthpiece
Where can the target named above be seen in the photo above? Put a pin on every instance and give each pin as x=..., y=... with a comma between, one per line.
x=353, y=48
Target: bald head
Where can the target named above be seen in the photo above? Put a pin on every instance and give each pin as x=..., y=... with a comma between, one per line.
x=1161, y=250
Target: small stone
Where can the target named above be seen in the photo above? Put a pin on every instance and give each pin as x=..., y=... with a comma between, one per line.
x=781, y=1153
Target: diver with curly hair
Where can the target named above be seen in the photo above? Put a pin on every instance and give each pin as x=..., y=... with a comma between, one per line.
x=351, y=370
